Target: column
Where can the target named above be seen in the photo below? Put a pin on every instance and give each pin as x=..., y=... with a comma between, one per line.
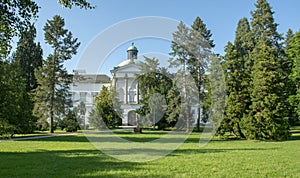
x=137, y=93
x=126, y=89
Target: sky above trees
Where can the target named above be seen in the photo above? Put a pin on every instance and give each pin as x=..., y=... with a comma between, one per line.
x=220, y=16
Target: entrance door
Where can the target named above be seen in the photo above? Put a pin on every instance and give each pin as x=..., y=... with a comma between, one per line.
x=131, y=118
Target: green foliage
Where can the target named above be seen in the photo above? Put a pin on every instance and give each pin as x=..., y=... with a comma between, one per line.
x=80, y=111
x=290, y=88
x=15, y=104
x=69, y=122
x=200, y=27
x=16, y=15
x=173, y=109
x=80, y=3
x=293, y=55
x=200, y=45
x=29, y=57
x=52, y=96
x=267, y=117
x=42, y=124
x=154, y=84
x=218, y=90
x=180, y=56
x=107, y=112
x=6, y=130
x=238, y=65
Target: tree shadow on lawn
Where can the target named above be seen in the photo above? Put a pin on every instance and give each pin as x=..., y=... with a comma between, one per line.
x=66, y=138
x=294, y=137
x=216, y=150
x=64, y=163
x=143, y=138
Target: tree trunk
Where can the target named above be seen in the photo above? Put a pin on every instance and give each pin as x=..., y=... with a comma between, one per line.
x=51, y=122
x=240, y=131
x=199, y=94
x=198, y=119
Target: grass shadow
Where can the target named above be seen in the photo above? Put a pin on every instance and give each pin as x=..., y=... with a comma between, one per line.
x=62, y=163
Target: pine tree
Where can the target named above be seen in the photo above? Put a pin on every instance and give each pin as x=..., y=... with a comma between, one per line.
x=199, y=51
x=266, y=119
x=52, y=97
x=238, y=81
x=180, y=53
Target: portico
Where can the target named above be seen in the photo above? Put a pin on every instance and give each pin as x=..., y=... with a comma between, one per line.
x=124, y=80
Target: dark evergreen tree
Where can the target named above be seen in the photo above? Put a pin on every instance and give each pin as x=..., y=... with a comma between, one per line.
x=69, y=122
x=290, y=89
x=238, y=79
x=293, y=55
x=267, y=118
x=29, y=55
x=52, y=96
x=15, y=104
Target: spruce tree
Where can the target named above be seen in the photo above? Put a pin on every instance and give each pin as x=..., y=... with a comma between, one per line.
x=290, y=85
x=238, y=81
x=52, y=96
x=267, y=117
x=293, y=55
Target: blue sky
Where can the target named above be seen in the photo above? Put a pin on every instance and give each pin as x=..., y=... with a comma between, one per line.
x=220, y=16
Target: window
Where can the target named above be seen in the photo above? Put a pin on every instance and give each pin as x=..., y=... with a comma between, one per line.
x=131, y=96
x=83, y=96
x=94, y=95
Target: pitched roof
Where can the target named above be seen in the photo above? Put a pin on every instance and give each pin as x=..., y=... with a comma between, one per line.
x=91, y=78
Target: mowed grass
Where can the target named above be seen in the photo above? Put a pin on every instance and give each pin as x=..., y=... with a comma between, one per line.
x=75, y=156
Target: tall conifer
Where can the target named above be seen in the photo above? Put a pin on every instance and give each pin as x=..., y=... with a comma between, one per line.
x=266, y=119
x=52, y=97
x=238, y=81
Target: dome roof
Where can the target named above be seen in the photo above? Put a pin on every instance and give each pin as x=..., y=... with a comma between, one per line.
x=132, y=48
x=126, y=62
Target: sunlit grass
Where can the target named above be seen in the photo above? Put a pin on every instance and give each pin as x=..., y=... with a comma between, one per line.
x=75, y=156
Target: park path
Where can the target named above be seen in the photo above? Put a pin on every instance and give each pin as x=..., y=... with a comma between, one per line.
x=39, y=137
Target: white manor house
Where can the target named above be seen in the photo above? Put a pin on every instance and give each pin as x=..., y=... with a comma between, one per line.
x=123, y=79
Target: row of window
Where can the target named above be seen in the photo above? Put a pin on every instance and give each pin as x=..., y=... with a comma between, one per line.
x=83, y=96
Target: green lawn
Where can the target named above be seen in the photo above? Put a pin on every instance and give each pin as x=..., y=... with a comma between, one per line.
x=74, y=156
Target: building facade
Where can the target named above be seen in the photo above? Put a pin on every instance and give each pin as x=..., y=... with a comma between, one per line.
x=124, y=80
x=87, y=86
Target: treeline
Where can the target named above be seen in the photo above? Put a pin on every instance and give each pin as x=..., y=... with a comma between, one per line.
x=261, y=78
x=260, y=70
x=34, y=89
